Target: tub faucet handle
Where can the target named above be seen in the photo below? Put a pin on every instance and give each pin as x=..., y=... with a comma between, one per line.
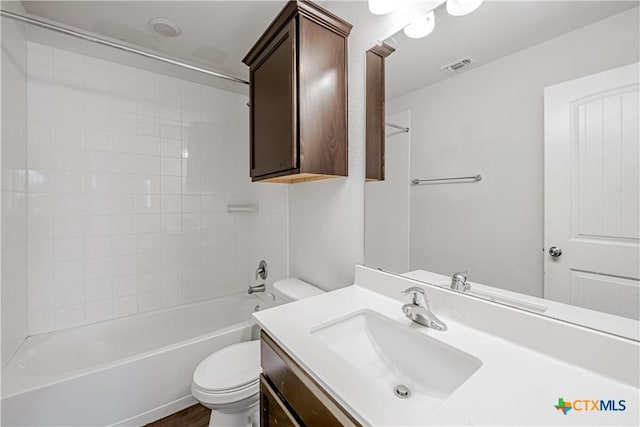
x=261, y=271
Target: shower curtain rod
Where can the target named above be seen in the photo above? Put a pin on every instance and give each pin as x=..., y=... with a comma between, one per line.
x=97, y=40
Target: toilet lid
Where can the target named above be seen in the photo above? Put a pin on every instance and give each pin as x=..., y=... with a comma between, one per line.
x=230, y=368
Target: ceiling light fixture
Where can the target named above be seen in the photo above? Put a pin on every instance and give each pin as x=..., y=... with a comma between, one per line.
x=382, y=7
x=165, y=27
x=421, y=27
x=462, y=7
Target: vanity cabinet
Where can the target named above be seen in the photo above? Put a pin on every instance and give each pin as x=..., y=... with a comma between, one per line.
x=290, y=397
x=375, y=98
x=298, y=96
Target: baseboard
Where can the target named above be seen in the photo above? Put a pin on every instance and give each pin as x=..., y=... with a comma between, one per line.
x=157, y=413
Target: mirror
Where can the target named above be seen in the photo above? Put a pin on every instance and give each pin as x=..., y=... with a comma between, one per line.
x=523, y=138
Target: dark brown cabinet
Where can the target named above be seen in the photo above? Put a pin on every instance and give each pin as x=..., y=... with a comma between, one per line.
x=290, y=397
x=298, y=96
x=375, y=125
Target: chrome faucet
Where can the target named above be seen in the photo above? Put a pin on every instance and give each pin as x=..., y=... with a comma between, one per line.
x=419, y=311
x=262, y=270
x=256, y=288
x=459, y=281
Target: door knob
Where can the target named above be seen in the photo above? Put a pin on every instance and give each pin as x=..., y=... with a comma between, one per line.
x=555, y=251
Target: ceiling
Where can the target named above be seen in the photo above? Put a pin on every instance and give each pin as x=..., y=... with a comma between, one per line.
x=495, y=30
x=215, y=34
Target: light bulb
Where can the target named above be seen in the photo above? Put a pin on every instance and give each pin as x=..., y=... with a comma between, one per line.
x=462, y=7
x=382, y=7
x=421, y=27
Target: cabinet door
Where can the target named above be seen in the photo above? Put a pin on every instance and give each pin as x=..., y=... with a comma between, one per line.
x=273, y=412
x=273, y=113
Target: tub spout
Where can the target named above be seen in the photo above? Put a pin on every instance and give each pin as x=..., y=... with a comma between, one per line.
x=256, y=288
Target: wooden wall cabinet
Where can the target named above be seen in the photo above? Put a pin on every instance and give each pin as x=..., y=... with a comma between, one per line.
x=298, y=96
x=290, y=397
x=375, y=125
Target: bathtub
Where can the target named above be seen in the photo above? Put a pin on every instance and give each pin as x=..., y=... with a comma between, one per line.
x=122, y=372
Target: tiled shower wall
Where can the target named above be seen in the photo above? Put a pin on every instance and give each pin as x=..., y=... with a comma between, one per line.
x=14, y=206
x=129, y=178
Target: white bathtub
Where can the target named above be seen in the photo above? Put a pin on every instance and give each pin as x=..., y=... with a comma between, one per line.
x=126, y=371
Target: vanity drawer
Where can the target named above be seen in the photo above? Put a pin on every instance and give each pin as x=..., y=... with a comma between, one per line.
x=310, y=403
x=273, y=411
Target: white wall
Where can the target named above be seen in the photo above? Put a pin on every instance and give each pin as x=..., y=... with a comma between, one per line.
x=489, y=120
x=14, y=206
x=130, y=173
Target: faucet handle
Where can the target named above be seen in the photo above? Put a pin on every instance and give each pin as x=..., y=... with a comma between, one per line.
x=461, y=275
x=417, y=294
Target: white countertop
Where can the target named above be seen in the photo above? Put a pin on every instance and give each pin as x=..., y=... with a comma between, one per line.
x=514, y=386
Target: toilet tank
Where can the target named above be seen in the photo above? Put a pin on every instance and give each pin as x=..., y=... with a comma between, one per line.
x=292, y=289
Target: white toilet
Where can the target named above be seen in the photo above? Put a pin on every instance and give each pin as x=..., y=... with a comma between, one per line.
x=227, y=382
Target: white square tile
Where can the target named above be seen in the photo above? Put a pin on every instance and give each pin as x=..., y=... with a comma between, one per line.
x=67, y=182
x=170, y=112
x=67, y=159
x=40, y=251
x=170, y=204
x=97, y=118
x=125, y=305
x=68, y=272
x=123, y=183
x=171, y=166
x=39, y=156
x=123, y=245
x=97, y=225
x=149, y=301
x=169, y=91
x=191, y=203
x=124, y=224
x=97, y=204
x=98, y=311
x=148, y=126
x=68, y=204
x=97, y=161
x=40, y=298
x=171, y=147
x=122, y=142
x=171, y=223
x=191, y=222
x=98, y=268
x=68, y=249
x=190, y=93
x=39, y=181
x=68, y=226
x=69, y=294
x=97, y=183
x=170, y=129
x=148, y=145
x=148, y=204
x=100, y=289
x=97, y=247
x=123, y=122
x=124, y=264
x=171, y=185
x=149, y=223
x=39, y=134
x=40, y=228
x=148, y=165
x=124, y=285
x=99, y=140
x=68, y=136
x=149, y=242
x=40, y=322
x=69, y=114
x=40, y=204
x=123, y=204
x=123, y=163
x=69, y=316
x=40, y=275
x=149, y=261
x=148, y=184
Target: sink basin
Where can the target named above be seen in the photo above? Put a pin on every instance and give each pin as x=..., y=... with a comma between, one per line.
x=392, y=354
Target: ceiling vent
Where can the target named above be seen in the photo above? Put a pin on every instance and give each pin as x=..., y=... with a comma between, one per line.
x=458, y=65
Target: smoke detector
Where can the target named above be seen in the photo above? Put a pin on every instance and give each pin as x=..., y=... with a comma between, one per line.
x=165, y=27
x=458, y=65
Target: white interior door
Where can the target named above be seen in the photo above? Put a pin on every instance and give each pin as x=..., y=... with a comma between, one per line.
x=592, y=192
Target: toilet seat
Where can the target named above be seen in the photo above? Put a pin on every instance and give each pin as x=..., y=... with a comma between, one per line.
x=228, y=375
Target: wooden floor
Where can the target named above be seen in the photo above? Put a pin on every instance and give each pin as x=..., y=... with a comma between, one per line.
x=193, y=416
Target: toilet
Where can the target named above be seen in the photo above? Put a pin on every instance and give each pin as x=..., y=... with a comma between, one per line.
x=228, y=381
